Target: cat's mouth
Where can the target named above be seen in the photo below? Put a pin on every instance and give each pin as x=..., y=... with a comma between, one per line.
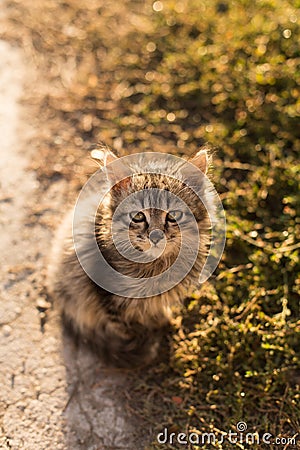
x=157, y=250
x=154, y=250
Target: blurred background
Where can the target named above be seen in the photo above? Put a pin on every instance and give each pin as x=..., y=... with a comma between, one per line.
x=170, y=76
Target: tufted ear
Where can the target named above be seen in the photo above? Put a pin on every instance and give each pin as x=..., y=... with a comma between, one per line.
x=103, y=155
x=200, y=160
x=112, y=165
x=192, y=177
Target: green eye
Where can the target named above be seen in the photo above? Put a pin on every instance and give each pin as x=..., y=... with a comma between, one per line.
x=137, y=217
x=174, y=216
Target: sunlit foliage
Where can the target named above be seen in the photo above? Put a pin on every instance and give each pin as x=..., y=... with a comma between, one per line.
x=169, y=76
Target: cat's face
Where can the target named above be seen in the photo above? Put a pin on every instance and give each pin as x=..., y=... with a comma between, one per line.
x=155, y=231
x=155, y=214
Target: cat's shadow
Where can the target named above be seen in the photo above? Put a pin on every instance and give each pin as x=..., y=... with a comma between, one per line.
x=100, y=412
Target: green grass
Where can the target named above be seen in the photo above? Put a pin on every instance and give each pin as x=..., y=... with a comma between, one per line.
x=169, y=77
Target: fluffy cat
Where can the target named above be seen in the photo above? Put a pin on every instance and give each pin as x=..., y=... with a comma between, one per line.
x=126, y=330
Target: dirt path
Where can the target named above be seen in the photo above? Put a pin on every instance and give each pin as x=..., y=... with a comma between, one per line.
x=53, y=395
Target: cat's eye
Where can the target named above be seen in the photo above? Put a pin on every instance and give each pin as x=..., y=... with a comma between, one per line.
x=174, y=216
x=137, y=217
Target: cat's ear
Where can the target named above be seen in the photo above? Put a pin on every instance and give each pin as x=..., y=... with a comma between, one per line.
x=103, y=155
x=112, y=165
x=201, y=160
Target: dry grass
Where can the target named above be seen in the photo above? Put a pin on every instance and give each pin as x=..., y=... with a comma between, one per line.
x=169, y=80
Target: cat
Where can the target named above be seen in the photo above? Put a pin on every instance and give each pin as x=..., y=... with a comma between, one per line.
x=124, y=327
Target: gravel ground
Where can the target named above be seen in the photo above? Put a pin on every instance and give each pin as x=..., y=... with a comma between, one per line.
x=54, y=395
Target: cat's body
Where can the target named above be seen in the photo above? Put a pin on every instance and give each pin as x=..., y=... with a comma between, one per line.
x=126, y=330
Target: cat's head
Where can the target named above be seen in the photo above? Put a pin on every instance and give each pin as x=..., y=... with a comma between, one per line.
x=153, y=207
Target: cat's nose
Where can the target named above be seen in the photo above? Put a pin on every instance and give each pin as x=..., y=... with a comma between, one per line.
x=156, y=235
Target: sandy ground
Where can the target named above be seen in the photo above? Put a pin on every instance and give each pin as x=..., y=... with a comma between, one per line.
x=53, y=394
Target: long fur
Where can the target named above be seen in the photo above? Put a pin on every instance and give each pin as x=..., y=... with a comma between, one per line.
x=124, y=331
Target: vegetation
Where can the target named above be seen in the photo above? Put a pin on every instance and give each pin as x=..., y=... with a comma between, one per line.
x=169, y=76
